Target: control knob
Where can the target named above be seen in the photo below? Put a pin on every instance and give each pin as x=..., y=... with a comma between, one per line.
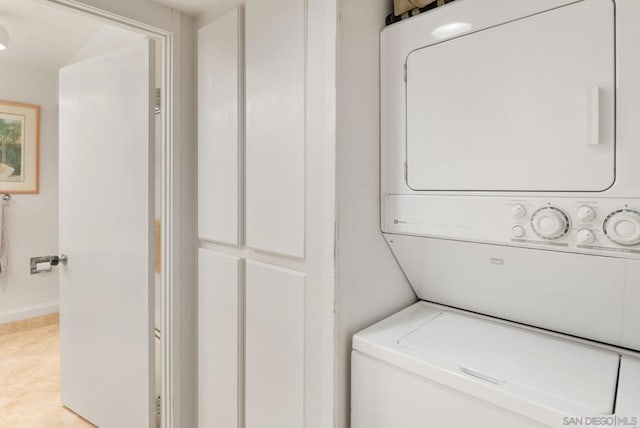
x=585, y=237
x=623, y=227
x=550, y=223
x=586, y=213
x=518, y=210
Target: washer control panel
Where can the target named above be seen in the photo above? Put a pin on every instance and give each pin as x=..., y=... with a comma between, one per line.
x=604, y=226
x=599, y=225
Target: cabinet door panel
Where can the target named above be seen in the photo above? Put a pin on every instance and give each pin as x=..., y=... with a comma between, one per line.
x=274, y=347
x=275, y=155
x=219, y=330
x=219, y=136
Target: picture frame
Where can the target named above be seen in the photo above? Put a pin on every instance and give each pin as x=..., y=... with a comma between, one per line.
x=19, y=148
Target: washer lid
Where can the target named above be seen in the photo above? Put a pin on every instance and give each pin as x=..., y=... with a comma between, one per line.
x=509, y=356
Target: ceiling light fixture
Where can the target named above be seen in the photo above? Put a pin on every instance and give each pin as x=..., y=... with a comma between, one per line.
x=4, y=38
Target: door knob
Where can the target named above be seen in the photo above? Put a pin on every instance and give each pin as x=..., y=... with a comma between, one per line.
x=56, y=260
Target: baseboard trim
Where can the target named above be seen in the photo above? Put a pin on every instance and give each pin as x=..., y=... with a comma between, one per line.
x=29, y=312
x=29, y=324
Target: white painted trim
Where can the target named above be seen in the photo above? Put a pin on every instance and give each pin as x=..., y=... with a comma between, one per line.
x=321, y=211
x=180, y=201
x=113, y=18
x=30, y=312
x=166, y=234
x=147, y=14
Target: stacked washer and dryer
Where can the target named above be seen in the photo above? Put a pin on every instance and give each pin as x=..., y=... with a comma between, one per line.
x=511, y=199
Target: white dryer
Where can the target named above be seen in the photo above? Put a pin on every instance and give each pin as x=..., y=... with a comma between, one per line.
x=511, y=199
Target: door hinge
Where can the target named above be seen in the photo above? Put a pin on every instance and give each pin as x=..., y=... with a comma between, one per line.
x=158, y=100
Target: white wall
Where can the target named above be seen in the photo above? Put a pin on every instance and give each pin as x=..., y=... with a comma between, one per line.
x=370, y=284
x=106, y=39
x=31, y=222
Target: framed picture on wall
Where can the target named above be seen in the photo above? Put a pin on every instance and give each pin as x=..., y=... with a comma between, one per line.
x=19, y=141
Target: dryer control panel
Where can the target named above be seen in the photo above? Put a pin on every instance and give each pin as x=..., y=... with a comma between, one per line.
x=605, y=226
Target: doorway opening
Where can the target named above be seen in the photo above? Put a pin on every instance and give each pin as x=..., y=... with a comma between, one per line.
x=38, y=314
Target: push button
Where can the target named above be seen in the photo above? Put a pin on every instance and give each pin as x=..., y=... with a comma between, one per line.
x=518, y=231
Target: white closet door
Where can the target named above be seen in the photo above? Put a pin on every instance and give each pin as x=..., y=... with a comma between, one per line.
x=106, y=229
x=219, y=124
x=274, y=347
x=219, y=327
x=275, y=154
x=527, y=105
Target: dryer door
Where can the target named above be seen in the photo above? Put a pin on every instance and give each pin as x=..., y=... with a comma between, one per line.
x=523, y=106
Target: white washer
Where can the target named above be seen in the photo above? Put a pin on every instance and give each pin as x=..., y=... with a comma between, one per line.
x=431, y=366
x=510, y=197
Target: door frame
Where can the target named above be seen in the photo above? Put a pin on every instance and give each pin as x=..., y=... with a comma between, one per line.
x=173, y=407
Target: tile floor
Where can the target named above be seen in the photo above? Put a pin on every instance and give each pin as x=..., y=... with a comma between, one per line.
x=30, y=381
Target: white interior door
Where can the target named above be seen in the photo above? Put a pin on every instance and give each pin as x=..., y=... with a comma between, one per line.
x=106, y=211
